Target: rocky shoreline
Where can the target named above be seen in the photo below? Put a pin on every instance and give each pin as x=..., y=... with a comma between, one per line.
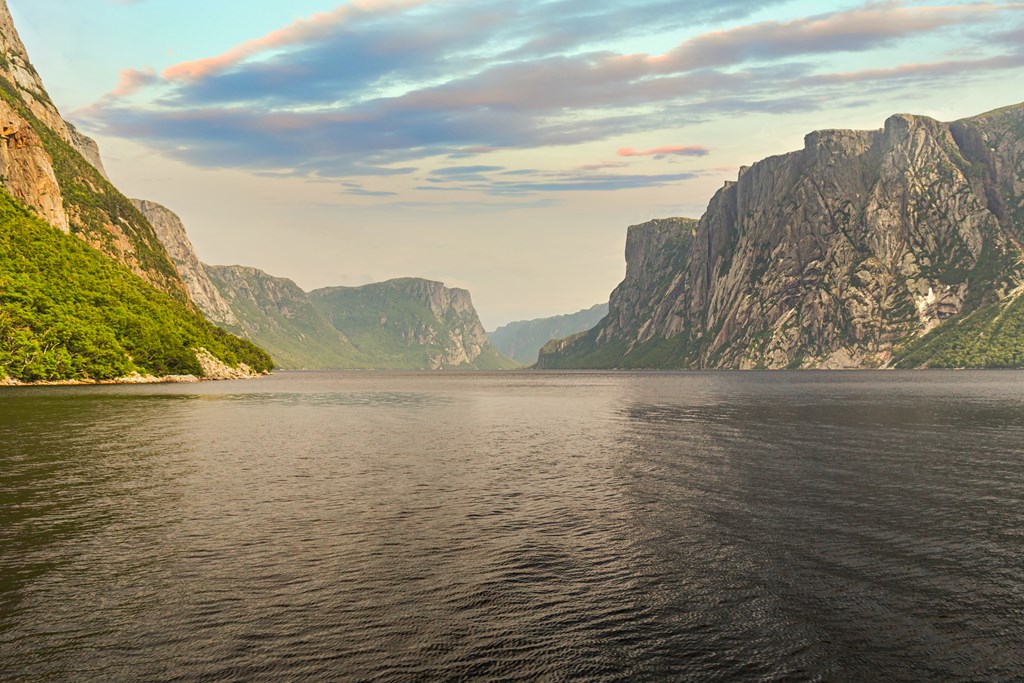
x=213, y=370
x=130, y=379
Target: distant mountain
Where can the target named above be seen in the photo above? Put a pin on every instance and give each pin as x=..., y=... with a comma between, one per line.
x=522, y=340
x=896, y=247
x=280, y=317
x=87, y=290
x=409, y=323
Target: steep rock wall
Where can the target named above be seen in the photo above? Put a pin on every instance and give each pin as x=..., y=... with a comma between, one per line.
x=835, y=255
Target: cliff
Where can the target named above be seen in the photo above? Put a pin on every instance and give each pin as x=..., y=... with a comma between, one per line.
x=171, y=233
x=840, y=255
x=413, y=324
x=69, y=313
x=279, y=316
x=55, y=170
x=87, y=291
x=522, y=340
x=405, y=324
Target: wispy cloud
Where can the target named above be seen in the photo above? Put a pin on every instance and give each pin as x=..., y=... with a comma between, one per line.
x=133, y=80
x=686, y=151
x=377, y=87
x=302, y=31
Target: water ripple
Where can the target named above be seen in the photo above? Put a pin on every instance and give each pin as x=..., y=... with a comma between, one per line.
x=548, y=526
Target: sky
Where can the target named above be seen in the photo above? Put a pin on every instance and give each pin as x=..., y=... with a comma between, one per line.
x=502, y=146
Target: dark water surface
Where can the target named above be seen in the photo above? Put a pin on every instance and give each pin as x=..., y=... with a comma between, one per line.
x=518, y=526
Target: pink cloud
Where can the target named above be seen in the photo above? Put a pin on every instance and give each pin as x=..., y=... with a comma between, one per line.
x=947, y=68
x=132, y=80
x=850, y=30
x=602, y=165
x=685, y=151
x=299, y=31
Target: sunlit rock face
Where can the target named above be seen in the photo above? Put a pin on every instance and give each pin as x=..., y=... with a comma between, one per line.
x=57, y=171
x=834, y=256
x=171, y=231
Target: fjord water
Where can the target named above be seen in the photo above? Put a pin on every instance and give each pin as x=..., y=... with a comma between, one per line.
x=516, y=526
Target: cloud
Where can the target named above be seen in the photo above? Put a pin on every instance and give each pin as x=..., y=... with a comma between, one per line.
x=300, y=31
x=521, y=182
x=845, y=31
x=133, y=80
x=686, y=151
x=377, y=87
x=465, y=170
x=355, y=189
x=906, y=72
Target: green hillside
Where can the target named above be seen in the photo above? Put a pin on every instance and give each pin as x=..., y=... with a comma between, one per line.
x=280, y=317
x=100, y=214
x=68, y=312
x=992, y=337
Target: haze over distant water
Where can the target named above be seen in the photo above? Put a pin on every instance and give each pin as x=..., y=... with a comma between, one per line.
x=521, y=526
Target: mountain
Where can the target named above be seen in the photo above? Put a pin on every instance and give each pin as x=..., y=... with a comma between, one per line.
x=411, y=323
x=171, y=233
x=895, y=247
x=87, y=290
x=275, y=313
x=408, y=324
x=67, y=312
x=42, y=164
x=522, y=340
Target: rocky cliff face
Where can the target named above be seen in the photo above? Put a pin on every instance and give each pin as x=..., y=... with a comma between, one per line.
x=17, y=69
x=171, y=232
x=68, y=311
x=837, y=255
x=87, y=147
x=51, y=167
x=408, y=324
x=282, y=317
x=411, y=323
x=27, y=170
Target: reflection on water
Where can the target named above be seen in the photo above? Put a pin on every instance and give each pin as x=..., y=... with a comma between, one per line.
x=619, y=526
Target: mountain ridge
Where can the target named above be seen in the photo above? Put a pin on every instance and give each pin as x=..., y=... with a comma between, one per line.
x=404, y=323
x=838, y=255
x=87, y=291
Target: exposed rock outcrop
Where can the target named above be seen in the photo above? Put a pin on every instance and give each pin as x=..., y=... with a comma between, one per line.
x=171, y=232
x=834, y=256
x=416, y=323
x=57, y=171
x=27, y=170
x=216, y=369
x=88, y=148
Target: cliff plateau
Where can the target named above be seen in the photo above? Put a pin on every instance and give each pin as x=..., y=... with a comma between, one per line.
x=848, y=253
x=412, y=323
x=408, y=324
